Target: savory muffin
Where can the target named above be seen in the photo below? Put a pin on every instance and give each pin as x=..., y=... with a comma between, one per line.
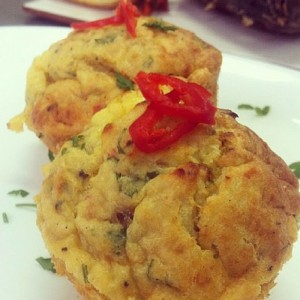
x=212, y=216
x=78, y=76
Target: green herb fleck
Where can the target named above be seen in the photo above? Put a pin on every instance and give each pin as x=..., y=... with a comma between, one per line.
x=295, y=167
x=20, y=192
x=118, y=239
x=51, y=155
x=85, y=273
x=5, y=217
x=25, y=205
x=78, y=141
x=246, y=106
x=46, y=264
x=106, y=40
x=123, y=82
x=260, y=111
x=148, y=62
x=160, y=25
x=64, y=151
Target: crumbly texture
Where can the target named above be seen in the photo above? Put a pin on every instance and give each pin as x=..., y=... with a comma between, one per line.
x=77, y=76
x=211, y=217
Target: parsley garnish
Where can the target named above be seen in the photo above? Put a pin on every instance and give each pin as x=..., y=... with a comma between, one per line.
x=20, y=192
x=78, y=141
x=106, y=39
x=5, y=217
x=85, y=273
x=295, y=167
x=123, y=82
x=46, y=264
x=64, y=151
x=25, y=205
x=259, y=111
x=160, y=25
x=51, y=155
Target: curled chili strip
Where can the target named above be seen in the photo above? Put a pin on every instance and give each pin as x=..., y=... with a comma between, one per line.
x=171, y=115
x=125, y=12
x=148, y=134
x=186, y=100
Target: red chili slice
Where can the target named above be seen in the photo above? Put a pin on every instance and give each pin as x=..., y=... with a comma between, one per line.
x=169, y=116
x=125, y=12
x=114, y=20
x=149, y=136
x=186, y=100
x=129, y=12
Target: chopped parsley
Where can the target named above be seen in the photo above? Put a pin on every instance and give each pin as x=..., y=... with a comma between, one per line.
x=19, y=192
x=123, y=82
x=5, y=217
x=78, y=141
x=106, y=39
x=260, y=111
x=64, y=151
x=160, y=25
x=25, y=205
x=85, y=273
x=118, y=240
x=295, y=167
x=51, y=155
x=46, y=264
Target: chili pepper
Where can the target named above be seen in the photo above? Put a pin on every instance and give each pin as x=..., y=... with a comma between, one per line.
x=186, y=99
x=125, y=12
x=128, y=13
x=150, y=134
x=114, y=20
x=171, y=115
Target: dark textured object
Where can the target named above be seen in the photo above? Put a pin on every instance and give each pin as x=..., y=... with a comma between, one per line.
x=282, y=16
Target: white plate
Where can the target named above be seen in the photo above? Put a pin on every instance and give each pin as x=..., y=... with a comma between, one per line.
x=22, y=155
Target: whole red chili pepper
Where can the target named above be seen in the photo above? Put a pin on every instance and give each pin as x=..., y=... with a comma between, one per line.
x=149, y=136
x=186, y=100
x=125, y=12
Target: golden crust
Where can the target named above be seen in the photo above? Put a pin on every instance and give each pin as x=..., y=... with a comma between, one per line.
x=211, y=217
x=76, y=77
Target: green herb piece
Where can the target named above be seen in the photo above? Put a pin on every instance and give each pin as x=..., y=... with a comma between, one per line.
x=64, y=151
x=78, y=141
x=123, y=82
x=46, y=264
x=20, y=192
x=246, y=106
x=51, y=155
x=106, y=40
x=295, y=167
x=85, y=273
x=148, y=62
x=118, y=239
x=25, y=205
x=5, y=217
x=260, y=111
x=160, y=25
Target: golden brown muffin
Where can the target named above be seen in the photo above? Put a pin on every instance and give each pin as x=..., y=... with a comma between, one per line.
x=78, y=76
x=212, y=216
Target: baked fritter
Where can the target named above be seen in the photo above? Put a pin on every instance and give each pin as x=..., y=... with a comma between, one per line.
x=211, y=217
x=78, y=76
